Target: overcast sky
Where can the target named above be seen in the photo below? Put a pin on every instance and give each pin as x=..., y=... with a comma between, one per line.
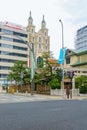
x=73, y=14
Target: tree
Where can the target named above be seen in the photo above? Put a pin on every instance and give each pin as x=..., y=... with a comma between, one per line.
x=54, y=83
x=81, y=83
x=19, y=72
x=47, y=73
x=47, y=69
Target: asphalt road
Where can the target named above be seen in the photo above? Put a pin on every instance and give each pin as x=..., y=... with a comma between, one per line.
x=44, y=115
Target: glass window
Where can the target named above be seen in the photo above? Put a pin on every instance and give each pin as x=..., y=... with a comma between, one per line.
x=39, y=46
x=5, y=67
x=68, y=60
x=19, y=41
x=39, y=62
x=45, y=33
x=13, y=47
x=6, y=45
x=13, y=40
x=46, y=47
x=39, y=39
x=46, y=41
x=6, y=38
x=7, y=31
x=20, y=34
x=32, y=39
x=12, y=54
x=7, y=60
x=32, y=31
x=3, y=75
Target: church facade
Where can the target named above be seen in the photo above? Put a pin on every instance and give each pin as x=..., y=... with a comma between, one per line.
x=40, y=39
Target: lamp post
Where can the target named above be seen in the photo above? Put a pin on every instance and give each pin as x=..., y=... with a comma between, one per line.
x=32, y=68
x=62, y=64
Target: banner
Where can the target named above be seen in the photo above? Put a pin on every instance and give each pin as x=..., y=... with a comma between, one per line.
x=62, y=56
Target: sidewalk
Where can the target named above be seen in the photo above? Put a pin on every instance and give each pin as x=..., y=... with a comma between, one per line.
x=53, y=97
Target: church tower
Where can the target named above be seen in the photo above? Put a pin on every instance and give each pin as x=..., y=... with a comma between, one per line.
x=30, y=28
x=43, y=23
x=40, y=39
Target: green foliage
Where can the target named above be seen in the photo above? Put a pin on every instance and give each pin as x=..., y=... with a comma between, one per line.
x=38, y=79
x=47, y=69
x=83, y=89
x=19, y=73
x=81, y=83
x=58, y=72
x=43, y=76
x=54, y=83
x=40, y=65
x=47, y=75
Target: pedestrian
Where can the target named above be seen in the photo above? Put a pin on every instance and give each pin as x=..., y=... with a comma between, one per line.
x=67, y=91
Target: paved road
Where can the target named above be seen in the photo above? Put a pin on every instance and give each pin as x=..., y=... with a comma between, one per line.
x=43, y=115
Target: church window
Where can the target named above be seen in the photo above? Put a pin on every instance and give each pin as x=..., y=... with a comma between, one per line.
x=45, y=33
x=39, y=46
x=39, y=62
x=39, y=39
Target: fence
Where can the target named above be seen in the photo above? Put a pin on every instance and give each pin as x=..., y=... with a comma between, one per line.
x=26, y=88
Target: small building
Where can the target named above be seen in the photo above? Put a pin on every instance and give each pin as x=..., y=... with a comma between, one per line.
x=75, y=58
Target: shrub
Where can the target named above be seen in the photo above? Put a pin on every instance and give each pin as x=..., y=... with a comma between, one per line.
x=54, y=83
x=83, y=89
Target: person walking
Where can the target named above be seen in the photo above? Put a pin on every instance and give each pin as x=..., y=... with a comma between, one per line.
x=67, y=91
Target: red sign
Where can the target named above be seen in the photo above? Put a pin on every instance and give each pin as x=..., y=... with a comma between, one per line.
x=12, y=25
x=28, y=63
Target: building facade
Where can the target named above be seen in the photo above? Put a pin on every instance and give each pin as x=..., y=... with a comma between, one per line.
x=81, y=39
x=12, y=47
x=40, y=39
x=75, y=58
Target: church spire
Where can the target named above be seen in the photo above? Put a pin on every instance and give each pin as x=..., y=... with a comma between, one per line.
x=30, y=20
x=43, y=17
x=43, y=23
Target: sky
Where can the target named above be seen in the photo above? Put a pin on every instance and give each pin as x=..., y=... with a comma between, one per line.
x=73, y=14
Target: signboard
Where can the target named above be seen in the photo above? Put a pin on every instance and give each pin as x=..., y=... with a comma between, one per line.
x=62, y=56
x=28, y=63
x=12, y=25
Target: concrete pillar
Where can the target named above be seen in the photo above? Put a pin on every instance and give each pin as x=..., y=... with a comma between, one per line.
x=73, y=82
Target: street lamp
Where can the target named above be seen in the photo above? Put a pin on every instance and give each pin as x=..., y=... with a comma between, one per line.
x=32, y=67
x=62, y=64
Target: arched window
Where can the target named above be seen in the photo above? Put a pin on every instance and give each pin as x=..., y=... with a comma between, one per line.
x=39, y=62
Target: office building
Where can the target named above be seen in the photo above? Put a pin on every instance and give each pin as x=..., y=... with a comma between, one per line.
x=81, y=39
x=12, y=47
